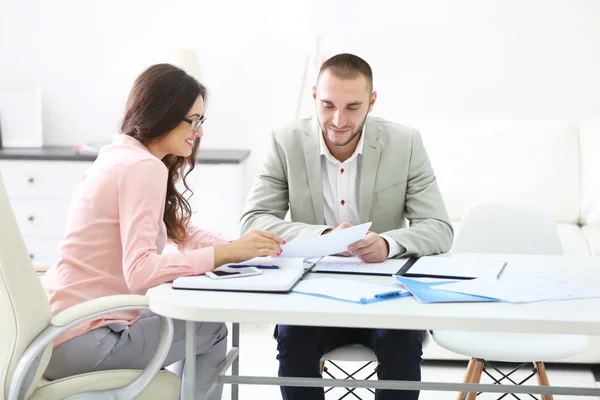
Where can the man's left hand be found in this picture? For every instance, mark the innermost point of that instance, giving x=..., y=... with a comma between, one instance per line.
x=372, y=249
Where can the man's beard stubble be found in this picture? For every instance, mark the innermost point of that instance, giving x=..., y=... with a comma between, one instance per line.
x=350, y=139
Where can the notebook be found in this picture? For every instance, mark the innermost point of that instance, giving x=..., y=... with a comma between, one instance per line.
x=348, y=290
x=280, y=280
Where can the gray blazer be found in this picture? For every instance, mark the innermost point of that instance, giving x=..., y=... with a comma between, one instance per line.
x=396, y=183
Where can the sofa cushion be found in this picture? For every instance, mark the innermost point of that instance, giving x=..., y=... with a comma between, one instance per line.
x=589, y=129
x=506, y=160
x=572, y=239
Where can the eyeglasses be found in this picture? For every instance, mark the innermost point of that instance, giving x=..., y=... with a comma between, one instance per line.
x=196, y=124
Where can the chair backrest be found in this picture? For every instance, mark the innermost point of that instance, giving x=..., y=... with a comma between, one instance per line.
x=24, y=307
x=507, y=228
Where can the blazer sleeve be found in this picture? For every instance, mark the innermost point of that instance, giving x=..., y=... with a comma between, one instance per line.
x=430, y=231
x=268, y=201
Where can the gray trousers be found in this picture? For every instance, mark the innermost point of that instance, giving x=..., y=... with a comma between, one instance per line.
x=131, y=347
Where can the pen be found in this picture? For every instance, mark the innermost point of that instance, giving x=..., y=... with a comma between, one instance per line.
x=256, y=266
x=500, y=272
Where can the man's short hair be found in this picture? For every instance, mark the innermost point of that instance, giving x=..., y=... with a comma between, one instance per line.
x=348, y=66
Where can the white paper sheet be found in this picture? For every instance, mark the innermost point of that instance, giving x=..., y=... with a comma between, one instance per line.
x=325, y=245
x=523, y=290
x=282, y=263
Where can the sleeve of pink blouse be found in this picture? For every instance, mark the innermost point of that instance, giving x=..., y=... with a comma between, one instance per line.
x=198, y=238
x=142, y=191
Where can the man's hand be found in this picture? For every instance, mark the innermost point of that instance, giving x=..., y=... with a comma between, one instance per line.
x=341, y=226
x=372, y=249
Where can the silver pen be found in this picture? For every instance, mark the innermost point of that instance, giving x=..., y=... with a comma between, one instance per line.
x=500, y=272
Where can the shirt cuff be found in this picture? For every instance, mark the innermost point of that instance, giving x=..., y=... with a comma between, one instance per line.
x=201, y=260
x=395, y=247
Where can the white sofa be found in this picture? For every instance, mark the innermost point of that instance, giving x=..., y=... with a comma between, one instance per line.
x=555, y=163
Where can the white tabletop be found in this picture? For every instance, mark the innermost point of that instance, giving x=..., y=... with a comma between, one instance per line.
x=569, y=316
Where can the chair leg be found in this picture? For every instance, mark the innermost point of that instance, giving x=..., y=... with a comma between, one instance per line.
x=542, y=378
x=321, y=367
x=473, y=375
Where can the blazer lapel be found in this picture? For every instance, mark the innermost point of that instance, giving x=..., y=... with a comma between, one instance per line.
x=312, y=159
x=370, y=163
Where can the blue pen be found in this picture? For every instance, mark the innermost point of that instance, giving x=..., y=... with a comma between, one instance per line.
x=388, y=295
x=256, y=266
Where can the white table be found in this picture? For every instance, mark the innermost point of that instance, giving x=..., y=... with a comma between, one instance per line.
x=573, y=316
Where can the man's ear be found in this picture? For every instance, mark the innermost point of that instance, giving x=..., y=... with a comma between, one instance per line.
x=372, y=101
x=314, y=92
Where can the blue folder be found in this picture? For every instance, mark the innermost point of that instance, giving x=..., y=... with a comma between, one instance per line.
x=322, y=287
x=424, y=292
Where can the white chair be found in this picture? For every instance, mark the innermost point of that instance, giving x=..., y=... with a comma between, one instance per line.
x=508, y=228
x=353, y=353
x=27, y=331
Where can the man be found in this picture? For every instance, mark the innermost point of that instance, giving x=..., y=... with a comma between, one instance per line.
x=340, y=169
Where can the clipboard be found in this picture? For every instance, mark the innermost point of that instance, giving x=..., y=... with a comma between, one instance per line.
x=443, y=267
x=353, y=266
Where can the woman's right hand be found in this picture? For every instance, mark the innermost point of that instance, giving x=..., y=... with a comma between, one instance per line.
x=256, y=243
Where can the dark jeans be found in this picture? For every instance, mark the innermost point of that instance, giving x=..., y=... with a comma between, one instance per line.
x=301, y=348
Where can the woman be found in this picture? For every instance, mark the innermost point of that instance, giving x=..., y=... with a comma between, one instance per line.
x=123, y=213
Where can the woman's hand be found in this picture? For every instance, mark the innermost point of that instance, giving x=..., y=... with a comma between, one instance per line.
x=255, y=243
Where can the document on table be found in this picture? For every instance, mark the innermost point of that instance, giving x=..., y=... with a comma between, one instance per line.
x=455, y=268
x=354, y=265
x=526, y=289
x=348, y=290
x=325, y=245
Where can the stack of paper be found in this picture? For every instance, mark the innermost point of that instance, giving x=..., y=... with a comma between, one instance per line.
x=526, y=289
x=354, y=265
x=325, y=245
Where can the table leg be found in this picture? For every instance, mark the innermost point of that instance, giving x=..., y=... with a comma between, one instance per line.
x=235, y=368
x=189, y=371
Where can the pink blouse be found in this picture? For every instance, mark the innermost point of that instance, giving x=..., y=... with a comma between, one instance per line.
x=115, y=236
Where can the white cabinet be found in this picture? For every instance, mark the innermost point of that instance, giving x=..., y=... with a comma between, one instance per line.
x=40, y=193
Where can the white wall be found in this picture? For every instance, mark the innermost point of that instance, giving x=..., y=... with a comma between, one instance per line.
x=432, y=59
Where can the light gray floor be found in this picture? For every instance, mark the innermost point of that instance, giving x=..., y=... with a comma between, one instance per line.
x=258, y=358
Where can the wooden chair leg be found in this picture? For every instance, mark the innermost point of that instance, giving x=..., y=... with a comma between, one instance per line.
x=473, y=375
x=542, y=378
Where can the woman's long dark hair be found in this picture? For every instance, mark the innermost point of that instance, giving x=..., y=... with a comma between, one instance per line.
x=161, y=96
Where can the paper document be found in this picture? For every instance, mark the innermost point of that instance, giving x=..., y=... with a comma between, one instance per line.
x=525, y=289
x=348, y=290
x=282, y=263
x=325, y=245
x=354, y=265
x=436, y=266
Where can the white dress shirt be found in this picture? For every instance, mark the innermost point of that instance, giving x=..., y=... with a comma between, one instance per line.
x=341, y=190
